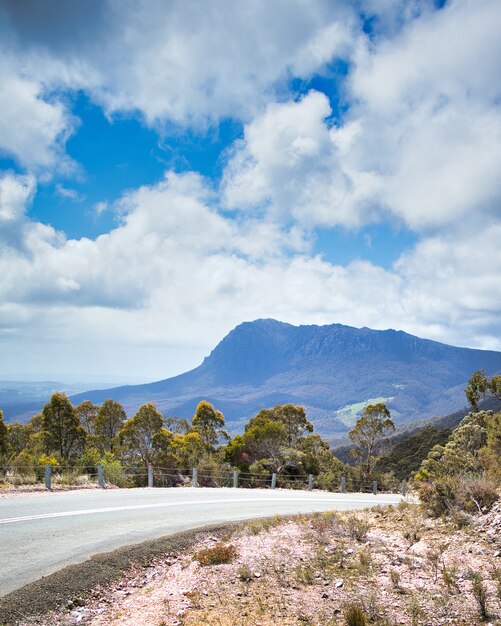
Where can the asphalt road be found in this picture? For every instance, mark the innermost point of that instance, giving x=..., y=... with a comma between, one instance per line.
x=41, y=534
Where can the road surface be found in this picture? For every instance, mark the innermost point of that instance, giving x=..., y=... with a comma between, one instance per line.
x=41, y=534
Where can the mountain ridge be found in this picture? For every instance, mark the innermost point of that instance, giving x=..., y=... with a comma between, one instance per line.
x=325, y=368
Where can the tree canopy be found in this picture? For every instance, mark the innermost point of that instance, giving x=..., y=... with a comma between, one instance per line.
x=374, y=425
x=61, y=427
x=209, y=423
x=479, y=386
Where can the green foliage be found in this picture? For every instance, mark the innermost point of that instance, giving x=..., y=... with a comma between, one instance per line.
x=461, y=455
x=61, y=428
x=144, y=437
x=406, y=456
x=479, y=386
x=374, y=425
x=113, y=471
x=208, y=423
x=87, y=413
x=479, y=591
x=4, y=441
x=108, y=422
x=218, y=555
x=490, y=454
x=90, y=459
x=188, y=449
x=355, y=615
x=450, y=495
x=278, y=440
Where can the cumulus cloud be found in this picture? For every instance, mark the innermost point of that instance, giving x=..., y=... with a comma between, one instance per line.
x=428, y=123
x=418, y=144
x=421, y=143
x=32, y=130
x=187, y=63
x=176, y=272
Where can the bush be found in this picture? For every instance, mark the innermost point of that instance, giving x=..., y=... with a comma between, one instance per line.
x=450, y=495
x=356, y=528
x=482, y=493
x=218, y=555
x=355, y=615
x=113, y=471
x=439, y=497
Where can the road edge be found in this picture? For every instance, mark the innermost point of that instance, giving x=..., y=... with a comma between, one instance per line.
x=74, y=582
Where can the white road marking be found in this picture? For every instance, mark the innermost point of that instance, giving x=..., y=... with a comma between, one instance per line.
x=133, y=507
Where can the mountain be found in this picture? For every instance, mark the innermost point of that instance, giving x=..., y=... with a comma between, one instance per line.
x=332, y=370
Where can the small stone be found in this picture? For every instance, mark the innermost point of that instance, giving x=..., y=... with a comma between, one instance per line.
x=257, y=574
x=339, y=583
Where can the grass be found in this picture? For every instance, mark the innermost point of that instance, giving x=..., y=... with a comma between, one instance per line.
x=355, y=615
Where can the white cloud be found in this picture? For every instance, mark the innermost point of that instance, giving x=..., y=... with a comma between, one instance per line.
x=193, y=62
x=33, y=128
x=68, y=193
x=288, y=165
x=176, y=273
x=428, y=120
x=420, y=144
x=15, y=193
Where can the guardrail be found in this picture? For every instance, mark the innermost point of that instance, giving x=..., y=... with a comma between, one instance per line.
x=50, y=477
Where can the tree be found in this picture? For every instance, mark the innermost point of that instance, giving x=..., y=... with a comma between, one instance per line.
x=61, y=428
x=87, y=413
x=108, y=422
x=4, y=440
x=294, y=419
x=144, y=435
x=374, y=425
x=188, y=449
x=479, y=386
x=209, y=422
x=274, y=438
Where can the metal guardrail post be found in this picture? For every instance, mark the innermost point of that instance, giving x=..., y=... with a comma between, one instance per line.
x=100, y=476
x=404, y=488
x=235, y=480
x=343, y=484
x=374, y=487
x=48, y=477
x=273, y=481
x=194, y=477
x=150, y=475
x=310, y=482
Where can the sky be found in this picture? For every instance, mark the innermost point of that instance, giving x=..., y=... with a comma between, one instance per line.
x=170, y=169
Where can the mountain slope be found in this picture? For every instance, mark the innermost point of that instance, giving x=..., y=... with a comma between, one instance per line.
x=326, y=368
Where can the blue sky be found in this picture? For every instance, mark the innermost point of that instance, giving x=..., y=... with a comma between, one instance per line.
x=168, y=170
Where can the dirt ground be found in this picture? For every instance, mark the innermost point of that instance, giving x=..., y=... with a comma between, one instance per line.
x=389, y=566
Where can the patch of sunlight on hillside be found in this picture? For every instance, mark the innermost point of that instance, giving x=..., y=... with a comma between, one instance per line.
x=348, y=414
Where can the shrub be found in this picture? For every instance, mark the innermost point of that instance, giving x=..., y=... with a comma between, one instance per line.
x=244, y=573
x=355, y=615
x=113, y=471
x=439, y=497
x=218, y=555
x=449, y=495
x=480, y=593
x=356, y=528
x=480, y=492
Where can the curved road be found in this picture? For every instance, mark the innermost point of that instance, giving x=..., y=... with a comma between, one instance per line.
x=41, y=534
